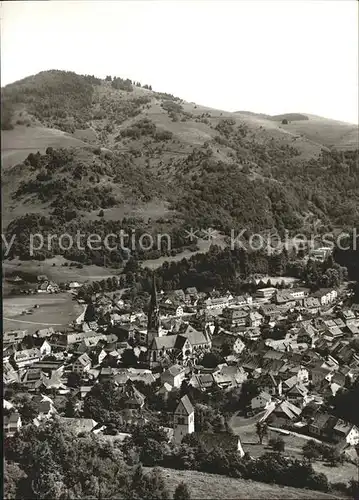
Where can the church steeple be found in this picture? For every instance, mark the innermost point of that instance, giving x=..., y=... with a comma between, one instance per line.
x=153, y=323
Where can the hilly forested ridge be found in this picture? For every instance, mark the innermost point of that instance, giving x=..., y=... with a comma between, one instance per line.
x=91, y=154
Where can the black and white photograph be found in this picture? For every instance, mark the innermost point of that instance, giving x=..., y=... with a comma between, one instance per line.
x=180, y=249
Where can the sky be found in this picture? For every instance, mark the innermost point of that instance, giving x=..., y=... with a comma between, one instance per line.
x=263, y=56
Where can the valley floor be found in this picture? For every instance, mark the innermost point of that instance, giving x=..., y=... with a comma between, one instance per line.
x=52, y=310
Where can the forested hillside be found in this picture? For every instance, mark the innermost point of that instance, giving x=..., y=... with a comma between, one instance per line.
x=196, y=167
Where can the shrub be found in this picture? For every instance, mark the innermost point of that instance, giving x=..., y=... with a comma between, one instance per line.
x=121, y=84
x=277, y=444
x=311, y=450
x=182, y=492
x=172, y=107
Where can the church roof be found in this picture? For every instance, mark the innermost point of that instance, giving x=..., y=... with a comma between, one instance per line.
x=185, y=401
x=166, y=342
x=194, y=336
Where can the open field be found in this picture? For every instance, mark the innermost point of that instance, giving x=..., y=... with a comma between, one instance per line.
x=203, y=485
x=53, y=268
x=324, y=131
x=58, y=272
x=18, y=143
x=54, y=310
x=246, y=429
x=341, y=474
x=203, y=246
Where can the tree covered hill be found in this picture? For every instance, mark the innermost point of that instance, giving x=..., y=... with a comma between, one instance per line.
x=88, y=144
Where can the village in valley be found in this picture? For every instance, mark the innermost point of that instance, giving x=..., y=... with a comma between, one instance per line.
x=249, y=374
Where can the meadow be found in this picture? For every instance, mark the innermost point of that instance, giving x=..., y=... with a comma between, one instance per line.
x=56, y=310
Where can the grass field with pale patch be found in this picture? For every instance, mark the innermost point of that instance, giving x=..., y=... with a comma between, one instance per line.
x=56, y=310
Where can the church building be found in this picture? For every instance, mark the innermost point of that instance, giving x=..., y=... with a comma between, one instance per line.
x=183, y=419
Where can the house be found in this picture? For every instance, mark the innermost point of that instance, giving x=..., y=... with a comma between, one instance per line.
x=261, y=401
x=14, y=336
x=297, y=394
x=45, y=332
x=7, y=405
x=202, y=381
x=318, y=374
x=270, y=311
x=311, y=305
x=133, y=398
x=48, y=287
x=299, y=293
x=191, y=291
x=217, y=303
x=45, y=408
x=306, y=332
x=12, y=423
x=225, y=338
x=254, y=319
x=322, y=425
x=229, y=376
x=141, y=375
x=226, y=441
x=78, y=425
x=284, y=297
x=171, y=310
x=10, y=375
x=333, y=333
x=183, y=419
x=67, y=340
x=281, y=414
x=302, y=373
x=174, y=376
x=53, y=383
x=26, y=357
x=321, y=254
x=345, y=431
x=242, y=300
x=107, y=373
x=44, y=346
x=235, y=343
x=347, y=315
x=352, y=328
x=31, y=378
x=271, y=384
x=82, y=364
x=266, y=293
x=235, y=316
x=164, y=391
x=339, y=322
x=326, y=296
x=251, y=363
x=192, y=296
x=342, y=352
x=97, y=355
x=73, y=285
x=50, y=366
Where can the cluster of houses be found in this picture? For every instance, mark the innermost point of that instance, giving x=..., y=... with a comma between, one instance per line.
x=168, y=344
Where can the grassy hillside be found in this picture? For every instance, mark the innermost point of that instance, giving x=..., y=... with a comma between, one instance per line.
x=77, y=144
x=313, y=129
x=208, y=486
